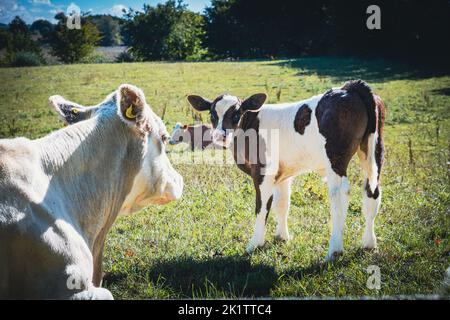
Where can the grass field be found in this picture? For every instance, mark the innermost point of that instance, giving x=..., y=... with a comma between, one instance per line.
x=195, y=247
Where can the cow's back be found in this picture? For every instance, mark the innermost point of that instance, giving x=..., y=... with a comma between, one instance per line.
x=26, y=255
x=300, y=147
x=19, y=167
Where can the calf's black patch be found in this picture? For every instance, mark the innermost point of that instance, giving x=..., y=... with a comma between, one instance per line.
x=369, y=192
x=343, y=120
x=268, y=206
x=302, y=118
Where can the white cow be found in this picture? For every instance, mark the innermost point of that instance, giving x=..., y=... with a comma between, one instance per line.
x=59, y=195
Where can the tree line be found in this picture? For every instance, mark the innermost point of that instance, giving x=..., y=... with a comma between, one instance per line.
x=246, y=29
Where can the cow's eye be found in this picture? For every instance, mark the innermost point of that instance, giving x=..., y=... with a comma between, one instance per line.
x=236, y=117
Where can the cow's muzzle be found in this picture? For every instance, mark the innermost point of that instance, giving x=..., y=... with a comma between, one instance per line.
x=173, y=189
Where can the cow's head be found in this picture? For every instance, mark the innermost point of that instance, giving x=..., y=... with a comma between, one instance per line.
x=155, y=181
x=179, y=134
x=226, y=112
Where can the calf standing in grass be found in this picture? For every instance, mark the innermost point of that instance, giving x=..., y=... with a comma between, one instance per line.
x=59, y=195
x=319, y=134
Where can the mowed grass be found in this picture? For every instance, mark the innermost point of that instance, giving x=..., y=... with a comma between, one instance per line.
x=195, y=247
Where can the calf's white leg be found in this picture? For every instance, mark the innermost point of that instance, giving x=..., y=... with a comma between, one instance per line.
x=281, y=203
x=371, y=197
x=264, y=194
x=338, y=189
x=370, y=210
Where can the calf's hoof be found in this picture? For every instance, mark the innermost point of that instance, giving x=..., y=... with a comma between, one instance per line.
x=282, y=238
x=93, y=293
x=332, y=256
x=369, y=242
x=252, y=247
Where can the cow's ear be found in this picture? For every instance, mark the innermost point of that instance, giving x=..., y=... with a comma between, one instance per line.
x=70, y=112
x=254, y=103
x=199, y=103
x=130, y=103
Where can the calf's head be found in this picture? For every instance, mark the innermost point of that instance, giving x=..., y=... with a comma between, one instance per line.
x=144, y=138
x=226, y=112
x=179, y=134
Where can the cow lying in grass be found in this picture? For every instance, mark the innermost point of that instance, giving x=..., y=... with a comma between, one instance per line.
x=198, y=137
x=59, y=195
x=319, y=134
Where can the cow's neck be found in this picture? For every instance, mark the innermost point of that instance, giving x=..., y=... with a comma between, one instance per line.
x=91, y=166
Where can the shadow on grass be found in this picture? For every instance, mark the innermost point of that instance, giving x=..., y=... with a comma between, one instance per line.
x=228, y=277
x=232, y=276
x=343, y=69
x=318, y=267
x=442, y=92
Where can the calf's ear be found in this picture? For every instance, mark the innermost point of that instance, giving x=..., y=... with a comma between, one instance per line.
x=70, y=112
x=199, y=103
x=254, y=103
x=177, y=126
x=130, y=103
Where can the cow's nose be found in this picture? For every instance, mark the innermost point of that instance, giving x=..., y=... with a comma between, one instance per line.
x=174, y=189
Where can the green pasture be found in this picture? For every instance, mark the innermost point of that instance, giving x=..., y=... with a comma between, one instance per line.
x=196, y=246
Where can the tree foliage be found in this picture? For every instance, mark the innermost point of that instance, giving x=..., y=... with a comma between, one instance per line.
x=165, y=32
x=109, y=28
x=264, y=28
x=21, y=50
x=71, y=45
x=19, y=38
x=44, y=29
x=410, y=30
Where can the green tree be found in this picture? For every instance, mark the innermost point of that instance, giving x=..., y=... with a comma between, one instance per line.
x=21, y=50
x=165, y=32
x=5, y=38
x=109, y=28
x=19, y=38
x=185, y=38
x=44, y=28
x=71, y=45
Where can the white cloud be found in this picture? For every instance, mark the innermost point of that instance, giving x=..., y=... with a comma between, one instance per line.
x=117, y=10
x=47, y=2
x=11, y=8
x=55, y=11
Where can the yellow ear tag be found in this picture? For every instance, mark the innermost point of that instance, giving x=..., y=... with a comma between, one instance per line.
x=129, y=113
x=75, y=111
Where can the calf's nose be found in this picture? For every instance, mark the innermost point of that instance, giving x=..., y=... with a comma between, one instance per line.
x=219, y=135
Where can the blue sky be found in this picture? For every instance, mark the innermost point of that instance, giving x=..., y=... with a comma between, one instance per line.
x=31, y=10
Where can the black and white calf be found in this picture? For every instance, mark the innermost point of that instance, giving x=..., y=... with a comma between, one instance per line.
x=319, y=134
